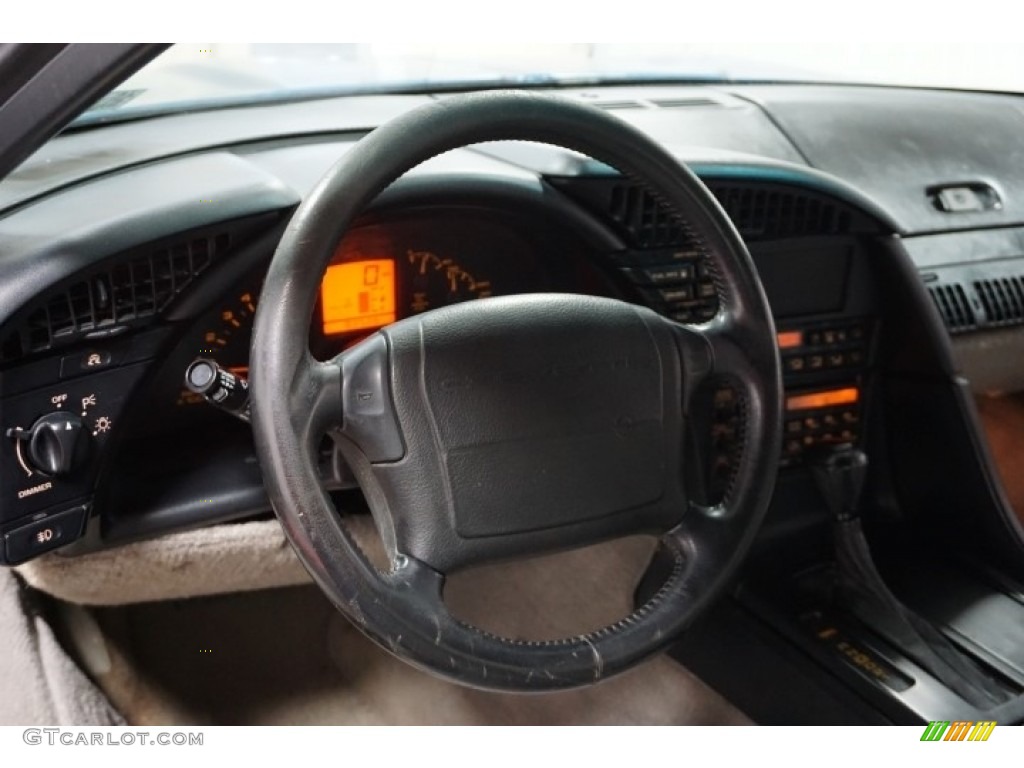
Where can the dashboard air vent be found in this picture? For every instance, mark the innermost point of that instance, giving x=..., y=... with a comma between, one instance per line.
x=1002, y=299
x=761, y=212
x=681, y=102
x=650, y=223
x=129, y=290
x=954, y=306
x=612, y=106
x=757, y=212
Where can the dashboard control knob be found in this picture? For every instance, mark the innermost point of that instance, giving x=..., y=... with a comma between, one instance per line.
x=57, y=444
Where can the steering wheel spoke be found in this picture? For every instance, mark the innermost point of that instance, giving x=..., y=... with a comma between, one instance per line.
x=314, y=397
x=367, y=408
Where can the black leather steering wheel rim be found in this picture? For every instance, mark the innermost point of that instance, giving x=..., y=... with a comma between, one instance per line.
x=295, y=400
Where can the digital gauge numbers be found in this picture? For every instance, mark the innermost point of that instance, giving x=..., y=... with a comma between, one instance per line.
x=358, y=296
x=366, y=294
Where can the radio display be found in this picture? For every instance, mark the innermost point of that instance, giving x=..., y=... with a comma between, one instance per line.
x=825, y=399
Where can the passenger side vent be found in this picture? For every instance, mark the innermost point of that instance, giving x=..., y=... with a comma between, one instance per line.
x=117, y=296
x=1002, y=299
x=954, y=306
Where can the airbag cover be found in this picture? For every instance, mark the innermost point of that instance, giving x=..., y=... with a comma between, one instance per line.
x=545, y=410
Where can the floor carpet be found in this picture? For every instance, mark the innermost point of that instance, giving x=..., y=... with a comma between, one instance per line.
x=285, y=656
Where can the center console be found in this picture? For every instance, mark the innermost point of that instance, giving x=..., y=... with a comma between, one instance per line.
x=789, y=645
x=787, y=649
x=824, y=368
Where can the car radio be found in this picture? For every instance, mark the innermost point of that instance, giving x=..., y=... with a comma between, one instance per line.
x=820, y=418
x=830, y=347
x=823, y=366
x=824, y=370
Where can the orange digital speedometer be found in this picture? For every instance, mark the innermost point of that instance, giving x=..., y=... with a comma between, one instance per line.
x=358, y=295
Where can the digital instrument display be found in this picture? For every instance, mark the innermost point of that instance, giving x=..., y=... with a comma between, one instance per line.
x=826, y=399
x=358, y=295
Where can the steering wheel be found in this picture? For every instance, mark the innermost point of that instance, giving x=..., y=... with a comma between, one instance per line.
x=511, y=426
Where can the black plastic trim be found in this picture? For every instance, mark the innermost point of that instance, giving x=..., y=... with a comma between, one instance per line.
x=122, y=211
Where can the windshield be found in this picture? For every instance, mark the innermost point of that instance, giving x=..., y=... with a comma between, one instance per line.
x=200, y=75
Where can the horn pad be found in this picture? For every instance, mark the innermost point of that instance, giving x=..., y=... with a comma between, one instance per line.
x=545, y=411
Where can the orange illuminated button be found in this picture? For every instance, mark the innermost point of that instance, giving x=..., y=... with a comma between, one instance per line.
x=790, y=339
x=826, y=399
x=358, y=295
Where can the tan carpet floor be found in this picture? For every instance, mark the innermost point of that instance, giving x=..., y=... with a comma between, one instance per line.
x=285, y=656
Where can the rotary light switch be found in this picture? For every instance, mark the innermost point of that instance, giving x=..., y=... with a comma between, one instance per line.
x=57, y=444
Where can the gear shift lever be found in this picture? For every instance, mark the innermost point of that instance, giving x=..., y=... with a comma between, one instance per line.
x=840, y=475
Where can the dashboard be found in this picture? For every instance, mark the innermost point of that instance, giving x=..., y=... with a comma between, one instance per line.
x=118, y=268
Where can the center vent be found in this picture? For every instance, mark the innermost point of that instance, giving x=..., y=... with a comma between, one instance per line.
x=649, y=222
x=772, y=213
x=760, y=211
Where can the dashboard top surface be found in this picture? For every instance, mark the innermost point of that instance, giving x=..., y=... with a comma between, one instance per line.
x=892, y=144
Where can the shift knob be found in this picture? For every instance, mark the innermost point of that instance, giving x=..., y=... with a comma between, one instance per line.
x=839, y=474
